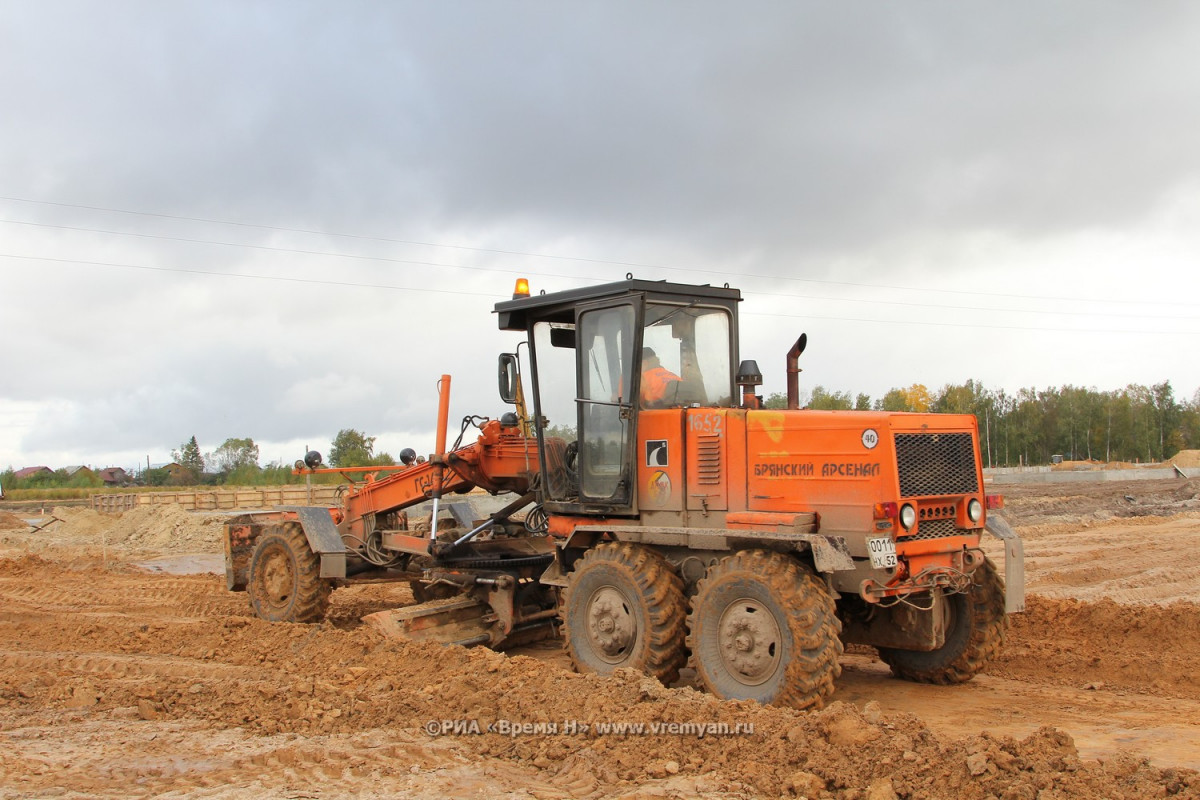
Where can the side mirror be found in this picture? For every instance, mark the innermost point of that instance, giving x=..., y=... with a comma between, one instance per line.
x=510, y=378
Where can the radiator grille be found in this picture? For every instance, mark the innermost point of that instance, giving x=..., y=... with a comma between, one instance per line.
x=936, y=464
x=934, y=529
x=708, y=459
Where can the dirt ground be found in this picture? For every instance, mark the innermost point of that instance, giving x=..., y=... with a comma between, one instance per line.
x=119, y=676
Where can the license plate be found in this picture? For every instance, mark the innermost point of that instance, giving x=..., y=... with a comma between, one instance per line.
x=882, y=551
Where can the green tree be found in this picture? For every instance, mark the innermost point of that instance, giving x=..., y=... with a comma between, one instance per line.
x=825, y=400
x=351, y=448
x=84, y=479
x=912, y=398
x=155, y=477
x=1167, y=415
x=1189, y=423
x=894, y=400
x=862, y=402
x=188, y=456
x=236, y=454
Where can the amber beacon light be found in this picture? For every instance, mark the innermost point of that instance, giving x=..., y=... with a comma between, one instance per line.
x=521, y=289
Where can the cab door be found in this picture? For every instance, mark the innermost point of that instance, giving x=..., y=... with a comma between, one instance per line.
x=608, y=337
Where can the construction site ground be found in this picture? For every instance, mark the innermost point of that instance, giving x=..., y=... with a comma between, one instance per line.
x=121, y=674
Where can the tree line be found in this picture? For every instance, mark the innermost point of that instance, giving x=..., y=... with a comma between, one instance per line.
x=1137, y=423
x=234, y=463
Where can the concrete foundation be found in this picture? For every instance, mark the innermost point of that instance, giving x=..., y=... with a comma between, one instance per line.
x=1046, y=475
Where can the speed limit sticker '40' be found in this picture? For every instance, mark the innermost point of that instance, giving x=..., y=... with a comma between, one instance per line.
x=882, y=551
x=870, y=438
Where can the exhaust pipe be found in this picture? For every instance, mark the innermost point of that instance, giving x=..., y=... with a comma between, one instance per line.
x=793, y=371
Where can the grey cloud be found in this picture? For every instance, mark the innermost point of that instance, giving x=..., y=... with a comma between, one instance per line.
x=769, y=138
x=802, y=125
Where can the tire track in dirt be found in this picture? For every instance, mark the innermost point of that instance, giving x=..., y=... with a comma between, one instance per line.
x=163, y=760
x=221, y=674
x=1147, y=560
x=181, y=692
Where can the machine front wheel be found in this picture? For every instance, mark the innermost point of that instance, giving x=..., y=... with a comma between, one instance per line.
x=764, y=628
x=285, y=582
x=624, y=607
x=974, y=635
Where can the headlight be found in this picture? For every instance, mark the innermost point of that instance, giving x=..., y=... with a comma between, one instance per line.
x=908, y=517
x=975, y=510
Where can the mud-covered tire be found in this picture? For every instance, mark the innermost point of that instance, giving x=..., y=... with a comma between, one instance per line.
x=624, y=607
x=285, y=583
x=974, y=635
x=764, y=628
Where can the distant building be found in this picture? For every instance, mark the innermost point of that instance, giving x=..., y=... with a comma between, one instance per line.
x=29, y=472
x=175, y=470
x=114, y=476
x=78, y=470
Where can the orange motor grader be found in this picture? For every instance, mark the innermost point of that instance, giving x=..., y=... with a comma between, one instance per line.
x=661, y=516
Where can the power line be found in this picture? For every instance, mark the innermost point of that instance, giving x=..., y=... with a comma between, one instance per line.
x=1055, y=312
x=297, y=251
x=359, y=237
x=248, y=275
x=585, y=260
x=526, y=272
x=492, y=295
x=974, y=325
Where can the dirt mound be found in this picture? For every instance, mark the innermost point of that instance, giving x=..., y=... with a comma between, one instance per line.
x=180, y=651
x=1035, y=504
x=1104, y=643
x=29, y=565
x=10, y=522
x=112, y=678
x=1186, y=458
x=161, y=528
x=319, y=681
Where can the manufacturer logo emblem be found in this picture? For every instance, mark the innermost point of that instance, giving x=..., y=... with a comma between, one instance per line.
x=659, y=487
x=657, y=454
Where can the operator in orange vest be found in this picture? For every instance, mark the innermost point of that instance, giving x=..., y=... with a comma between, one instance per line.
x=659, y=385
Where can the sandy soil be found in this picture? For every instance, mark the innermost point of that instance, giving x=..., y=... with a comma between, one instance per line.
x=118, y=678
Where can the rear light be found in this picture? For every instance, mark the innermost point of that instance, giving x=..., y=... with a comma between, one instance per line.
x=975, y=510
x=994, y=501
x=908, y=517
x=887, y=510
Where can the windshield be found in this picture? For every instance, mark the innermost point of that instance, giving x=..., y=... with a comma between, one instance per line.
x=686, y=357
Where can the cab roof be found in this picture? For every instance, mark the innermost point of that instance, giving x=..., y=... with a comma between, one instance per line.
x=514, y=315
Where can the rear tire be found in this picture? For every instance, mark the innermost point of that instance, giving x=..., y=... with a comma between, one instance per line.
x=285, y=583
x=764, y=628
x=974, y=635
x=624, y=607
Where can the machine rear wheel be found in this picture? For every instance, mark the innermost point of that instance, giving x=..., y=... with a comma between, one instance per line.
x=285, y=582
x=764, y=628
x=974, y=635
x=624, y=607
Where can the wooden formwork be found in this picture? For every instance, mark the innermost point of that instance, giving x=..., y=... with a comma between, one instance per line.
x=220, y=499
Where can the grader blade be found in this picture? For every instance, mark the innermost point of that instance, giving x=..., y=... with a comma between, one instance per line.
x=456, y=620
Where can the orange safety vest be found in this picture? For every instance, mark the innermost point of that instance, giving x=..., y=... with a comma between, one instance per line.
x=655, y=383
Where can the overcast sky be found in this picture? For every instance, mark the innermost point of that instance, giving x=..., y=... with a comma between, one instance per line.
x=279, y=219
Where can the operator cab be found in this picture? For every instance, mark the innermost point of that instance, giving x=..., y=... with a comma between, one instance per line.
x=600, y=355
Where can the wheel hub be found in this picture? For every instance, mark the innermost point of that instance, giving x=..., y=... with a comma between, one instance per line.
x=751, y=641
x=278, y=579
x=612, y=629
